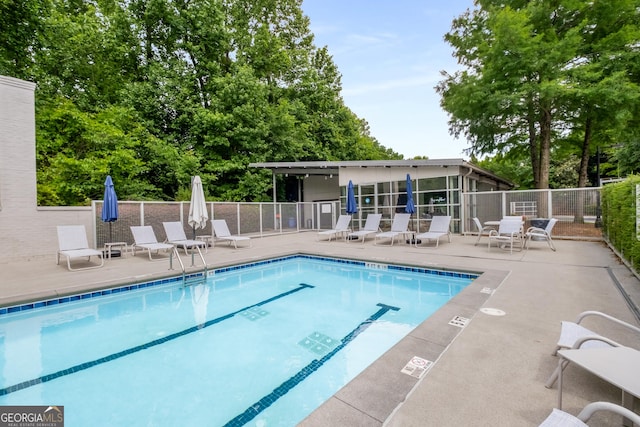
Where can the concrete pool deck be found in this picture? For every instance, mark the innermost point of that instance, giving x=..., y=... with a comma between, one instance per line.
x=490, y=372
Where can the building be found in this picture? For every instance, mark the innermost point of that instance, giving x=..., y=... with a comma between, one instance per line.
x=381, y=186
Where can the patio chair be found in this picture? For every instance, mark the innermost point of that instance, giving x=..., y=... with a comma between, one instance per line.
x=176, y=236
x=371, y=226
x=221, y=231
x=482, y=229
x=573, y=335
x=509, y=232
x=537, y=233
x=72, y=243
x=399, y=226
x=145, y=239
x=341, y=228
x=439, y=227
x=559, y=418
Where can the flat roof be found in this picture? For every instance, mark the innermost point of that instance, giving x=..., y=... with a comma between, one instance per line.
x=333, y=167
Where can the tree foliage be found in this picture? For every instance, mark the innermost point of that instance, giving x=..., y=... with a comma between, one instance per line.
x=544, y=78
x=155, y=91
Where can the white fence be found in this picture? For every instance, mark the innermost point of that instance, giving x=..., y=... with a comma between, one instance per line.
x=577, y=209
x=253, y=219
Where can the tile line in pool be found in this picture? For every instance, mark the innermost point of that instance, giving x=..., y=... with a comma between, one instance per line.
x=127, y=352
x=255, y=409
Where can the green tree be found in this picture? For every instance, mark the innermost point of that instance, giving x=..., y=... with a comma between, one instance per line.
x=536, y=78
x=153, y=92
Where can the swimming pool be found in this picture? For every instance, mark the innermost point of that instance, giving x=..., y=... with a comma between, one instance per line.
x=263, y=343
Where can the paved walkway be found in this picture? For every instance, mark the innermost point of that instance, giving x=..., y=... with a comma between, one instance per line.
x=491, y=372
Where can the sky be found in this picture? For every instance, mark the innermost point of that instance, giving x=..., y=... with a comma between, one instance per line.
x=390, y=54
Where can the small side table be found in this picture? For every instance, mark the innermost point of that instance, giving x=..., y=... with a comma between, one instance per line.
x=108, y=247
x=208, y=240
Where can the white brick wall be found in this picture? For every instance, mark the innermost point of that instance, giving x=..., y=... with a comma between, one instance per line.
x=25, y=230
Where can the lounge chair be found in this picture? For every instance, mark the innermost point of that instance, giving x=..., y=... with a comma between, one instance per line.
x=72, y=243
x=439, y=227
x=483, y=230
x=573, y=335
x=559, y=418
x=399, y=226
x=371, y=226
x=176, y=236
x=536, y=233
x=221, y=231
x=509, y=232
x=341, y=228
x=145, y=239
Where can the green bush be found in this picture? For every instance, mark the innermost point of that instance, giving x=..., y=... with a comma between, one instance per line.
x=619, y=219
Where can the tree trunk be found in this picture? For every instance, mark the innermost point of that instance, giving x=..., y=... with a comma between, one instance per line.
x=534, y=149
x=584, y=160
x=545, y=148
x=582, y=175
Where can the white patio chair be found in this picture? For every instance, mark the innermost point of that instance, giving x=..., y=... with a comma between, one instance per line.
x=509, y=232
x=341, y=228
x=536, y=233
x=371, y=226
x=573, y=335
x=482, y=230
x=72, y=243
x=438, y=228
x=221, y=231
x=559, y=418
x=176, y=236
x=399, y=226
x=145, y=239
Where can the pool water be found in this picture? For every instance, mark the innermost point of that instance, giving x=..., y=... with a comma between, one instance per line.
x=260, y=345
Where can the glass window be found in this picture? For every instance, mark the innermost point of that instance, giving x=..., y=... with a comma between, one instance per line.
x=426, y=184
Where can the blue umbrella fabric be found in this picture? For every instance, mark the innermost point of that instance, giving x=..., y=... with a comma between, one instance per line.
x=110, y=203
x=352, y=206
x=410, y=208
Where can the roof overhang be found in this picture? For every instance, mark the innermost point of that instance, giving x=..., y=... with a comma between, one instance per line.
x=329, y=168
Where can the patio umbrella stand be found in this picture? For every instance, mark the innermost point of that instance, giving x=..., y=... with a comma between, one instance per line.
x=352, y=205
x=410, y=208
x=110, y=213
x=198, y=215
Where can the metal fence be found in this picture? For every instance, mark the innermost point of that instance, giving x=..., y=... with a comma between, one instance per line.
x=252, y=219
x=577, y=209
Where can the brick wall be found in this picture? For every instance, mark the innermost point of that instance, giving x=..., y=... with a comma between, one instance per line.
x=26, y=230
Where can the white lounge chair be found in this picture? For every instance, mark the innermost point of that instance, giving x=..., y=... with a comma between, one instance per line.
x=371, y=226
x=559, y=418
x=221, y=231
x=341, y=228
x=72, y=243
x=399, y=226
x=509, y=232
x=483, y=230
x=439, y=227
x=145, y=239
x=536, y=233
x=176, y=236
x=573, y=335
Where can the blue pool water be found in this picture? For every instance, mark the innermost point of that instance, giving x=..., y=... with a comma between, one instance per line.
x=262, y=344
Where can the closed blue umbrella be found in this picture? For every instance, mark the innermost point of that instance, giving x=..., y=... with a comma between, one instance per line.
x=410, y=208
x=352, y=206
x=110, y=204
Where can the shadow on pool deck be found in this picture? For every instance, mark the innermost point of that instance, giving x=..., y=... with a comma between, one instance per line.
x=490, y=372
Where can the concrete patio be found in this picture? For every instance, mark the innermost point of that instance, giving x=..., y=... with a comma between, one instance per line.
x=489, y=373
